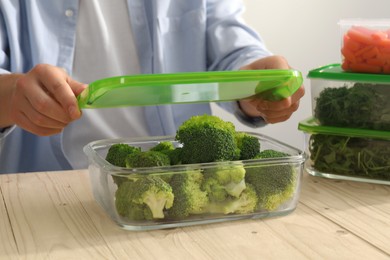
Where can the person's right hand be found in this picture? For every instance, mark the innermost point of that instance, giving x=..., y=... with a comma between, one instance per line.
x=43, y=101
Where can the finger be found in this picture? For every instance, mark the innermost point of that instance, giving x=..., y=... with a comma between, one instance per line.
x=39, y=119
x=77, y=87
x=271, y=114
x=298, y=94
x=56, y=82
x=270, y=62
x=277, y=119
x=24, y=122
x=29, y=89
x=265, y=105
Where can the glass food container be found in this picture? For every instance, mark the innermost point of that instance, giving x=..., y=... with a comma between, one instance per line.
x=277, y=192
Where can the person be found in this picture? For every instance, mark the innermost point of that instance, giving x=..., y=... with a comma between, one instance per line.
x=50, y=50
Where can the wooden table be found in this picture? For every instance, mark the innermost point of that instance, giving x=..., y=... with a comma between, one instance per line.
x=52, y=215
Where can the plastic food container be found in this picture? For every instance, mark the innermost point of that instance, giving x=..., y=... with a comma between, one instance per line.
x=365, y=45
x=280, y=195
x=346, y=99
x=347, y=153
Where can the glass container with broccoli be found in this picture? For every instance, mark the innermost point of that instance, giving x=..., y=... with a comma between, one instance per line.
x=208, y=172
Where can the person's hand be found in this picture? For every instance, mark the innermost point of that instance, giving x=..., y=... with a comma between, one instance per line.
x=271, y=111
x=43, y=101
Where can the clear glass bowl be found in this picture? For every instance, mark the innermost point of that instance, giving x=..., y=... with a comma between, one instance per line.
x=104, y=177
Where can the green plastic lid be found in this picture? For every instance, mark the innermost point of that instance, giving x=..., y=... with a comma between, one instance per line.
x=193, y=87
x=335, y=72
x=310, y=125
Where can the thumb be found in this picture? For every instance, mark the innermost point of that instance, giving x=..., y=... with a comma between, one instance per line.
x=77, y=86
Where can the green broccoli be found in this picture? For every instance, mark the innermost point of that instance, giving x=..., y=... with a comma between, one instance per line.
x=270, y=153
x=245, y=203
x=175, y=156
x=189, y=198
x=163, y=147
x=147, y=159
x=117, y=153
x=363, y=105
x=207, y=138
x=274, y=184
x=248, y=145
x=148, y=194
x=221, y=182
x=170, y=150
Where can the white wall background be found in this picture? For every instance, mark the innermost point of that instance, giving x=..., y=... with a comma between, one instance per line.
x=306, y=32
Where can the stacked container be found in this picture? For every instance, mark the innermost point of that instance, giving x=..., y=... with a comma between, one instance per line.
x=348, y=135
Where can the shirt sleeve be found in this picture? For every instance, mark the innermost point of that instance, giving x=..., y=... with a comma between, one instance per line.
x=234, y=108
x=231, y=43
x=5, y=131
x=4, y=57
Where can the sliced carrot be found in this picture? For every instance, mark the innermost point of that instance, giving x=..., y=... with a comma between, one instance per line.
x=363, y=50
x=351, y=44
x=376, y=62
x=371, y=53
x=385, y=56
x=345, y=65
x=379, y=36
x=365, y=68
x=359, y=36
x=386, y=69
x=384, y=43
x=366, y=50
x=348, y=54
x=384, y=49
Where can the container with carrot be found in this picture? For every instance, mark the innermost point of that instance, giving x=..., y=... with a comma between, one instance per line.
x=365, y=46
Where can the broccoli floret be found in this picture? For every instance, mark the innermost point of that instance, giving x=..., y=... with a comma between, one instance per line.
x=245, y=203
x=274, y=184
x=221, y=182
x=175, y=156
x=117, y=153
x=147, y=159
x=270, y=153
x=149, y=194
x=170, y=150
x=248, y=145
x=207, y=138
x=164, y=147
x=189, y=198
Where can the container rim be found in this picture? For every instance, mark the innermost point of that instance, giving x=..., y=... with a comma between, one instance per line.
x=310, y=125
x=90, y=150
x=335, y=72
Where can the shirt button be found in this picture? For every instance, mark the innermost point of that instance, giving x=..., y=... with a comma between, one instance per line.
x=69, y=13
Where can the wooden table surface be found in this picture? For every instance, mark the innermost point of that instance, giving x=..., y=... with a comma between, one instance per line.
x=53, y=215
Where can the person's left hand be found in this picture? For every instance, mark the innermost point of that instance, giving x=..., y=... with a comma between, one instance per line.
x=271, y=111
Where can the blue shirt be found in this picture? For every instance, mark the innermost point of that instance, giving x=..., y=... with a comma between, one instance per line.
x=170, y=36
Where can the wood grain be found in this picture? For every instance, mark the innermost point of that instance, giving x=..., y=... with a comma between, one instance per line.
x=361, y=208
x=54, y=216
x=8, y=249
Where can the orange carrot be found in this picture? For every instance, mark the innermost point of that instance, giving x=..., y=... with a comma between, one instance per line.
x=351, y=44
x=359, y=36
x=348, y=54
x=366, y=50
x=376, y=62
x=386, y=69
x=371, y=53
x=365, y=68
